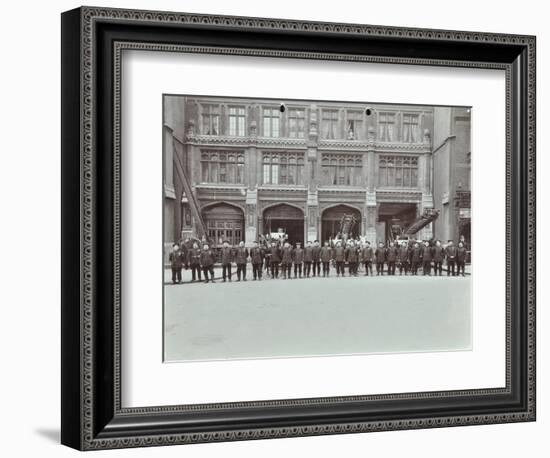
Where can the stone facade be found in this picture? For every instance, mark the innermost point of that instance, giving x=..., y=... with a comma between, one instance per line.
x=452, y=173
x=259, y=165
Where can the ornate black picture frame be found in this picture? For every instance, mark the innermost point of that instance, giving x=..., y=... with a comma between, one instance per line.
x=92, y=42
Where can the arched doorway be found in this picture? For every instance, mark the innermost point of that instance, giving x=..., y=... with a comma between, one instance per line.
x=224, y=222
x=331, y=221
x=285, y=218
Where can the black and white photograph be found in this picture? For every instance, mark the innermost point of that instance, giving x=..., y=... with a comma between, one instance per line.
x=300, y=228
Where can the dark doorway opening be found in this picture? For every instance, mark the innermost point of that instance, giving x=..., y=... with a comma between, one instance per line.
x=331, y=222
x=223, y=223
x=287, y=219
x=394, y=218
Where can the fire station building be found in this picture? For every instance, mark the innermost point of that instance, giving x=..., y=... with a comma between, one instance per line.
x=235, y=168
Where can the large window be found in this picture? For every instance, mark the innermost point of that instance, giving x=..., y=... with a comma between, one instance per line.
x=283, y=168
x=386, y=127
x=210, y=120
x=237, y=121
x=342, y=169
x=410, y=128
x=296, y=122
x=271, y=121
x=222, y=167
x=354, y=125
x=398, y=171
x=329, y=124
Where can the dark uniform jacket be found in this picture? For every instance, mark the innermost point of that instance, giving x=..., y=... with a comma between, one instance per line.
x=351, y=254
x=380, y=254
x=367, y=253
x=416, y=254
x=207, y=258
x=298, y=255
x=316, y=253
x=427, y=253
x=287, y=255
x=451, y=253
x=257, y=255
x=241, y=255
x=326, y=254
x=392, y=254
x=275, y=254
x=308, y=254
x=461, y=254
x=176, y=259
x=226, y=255
x=194, y=256
x=403, y=254
x=438, y=253
x=339, y=254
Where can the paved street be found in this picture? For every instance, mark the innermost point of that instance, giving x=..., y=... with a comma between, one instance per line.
x=316, y=316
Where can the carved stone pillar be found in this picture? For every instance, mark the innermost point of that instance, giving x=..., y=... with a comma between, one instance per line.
x=251, y=217
x=369, y=219
x=312, y=218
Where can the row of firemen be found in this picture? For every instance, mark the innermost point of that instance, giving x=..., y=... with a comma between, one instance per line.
x=280, y=259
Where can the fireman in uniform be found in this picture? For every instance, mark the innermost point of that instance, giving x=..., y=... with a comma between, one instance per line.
x=451, y=253
x=207, y=263
x=391, y=255
x=326, y=256
x=461, y=259
x=380, y=256
x=416, y=258
x=339, y=258
x=403, y=256
x=427, y=258
x=308, y=259
x=226, y=256
x=298, y=258
x=316, y=256
x=286, y=261
x=194, y=256
x=275, y=255
x=257, y=258
x=176, y=263
x=241, y=256
x=438, y=256
x=352, y=258
x=366, y=255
